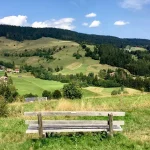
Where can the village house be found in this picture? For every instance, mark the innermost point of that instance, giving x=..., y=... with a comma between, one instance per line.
x=16, y=71
x=9, y=70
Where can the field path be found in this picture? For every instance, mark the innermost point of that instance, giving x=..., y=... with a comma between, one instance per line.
x=33, y=83
x=97, y=90
x=74, y=66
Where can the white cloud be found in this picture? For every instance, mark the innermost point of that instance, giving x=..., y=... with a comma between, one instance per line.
x=95, y=23
x=121, y=23
x=90, y=15
x=85, y=24
x=134, y=4
x=14, y=20
x=64, y=23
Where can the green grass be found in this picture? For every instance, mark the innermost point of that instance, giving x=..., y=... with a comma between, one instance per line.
x=28, y=84
x=25, y=84
x=10, y=45
x=62, y=58
x=106, y=92
x=138, y=49
x=87, y=93
x=1, y=73
x=135, y=48
x=135, y=135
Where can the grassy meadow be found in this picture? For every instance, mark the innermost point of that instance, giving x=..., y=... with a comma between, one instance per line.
x=1, y=73
x=25, y=84
x=64, y=58
x=28, y=84
x=15, y=46
x=135, y=135
x=138, y=49
x=136, y=131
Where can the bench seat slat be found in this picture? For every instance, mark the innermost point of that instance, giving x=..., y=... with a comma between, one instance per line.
x=74, y=113
x=74, y=122
x=75, y=129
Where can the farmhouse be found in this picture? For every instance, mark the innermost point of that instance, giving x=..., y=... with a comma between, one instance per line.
x=16, y=71
x=9, y=70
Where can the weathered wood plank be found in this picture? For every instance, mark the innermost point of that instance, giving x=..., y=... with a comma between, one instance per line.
x=74, y=127
x=110, y=123
x=71, y=130
x=74, y=113
x=67, y=126
x=40, y=125
x=74, y=122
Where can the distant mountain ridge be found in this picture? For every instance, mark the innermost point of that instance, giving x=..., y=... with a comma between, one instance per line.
x=28, y=33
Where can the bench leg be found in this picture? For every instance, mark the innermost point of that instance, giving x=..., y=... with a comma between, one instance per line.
x=110, y=123
x=40, y=125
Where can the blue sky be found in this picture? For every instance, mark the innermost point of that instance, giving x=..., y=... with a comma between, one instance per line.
x=121, y=18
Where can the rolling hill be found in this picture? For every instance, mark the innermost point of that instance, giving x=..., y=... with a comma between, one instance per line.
x=63, y=58
x=29, y=33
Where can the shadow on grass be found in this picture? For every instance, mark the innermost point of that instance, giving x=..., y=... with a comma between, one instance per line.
x=71, y=139
x=88, y=141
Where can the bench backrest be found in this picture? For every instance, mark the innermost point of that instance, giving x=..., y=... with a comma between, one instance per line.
x=74, y=113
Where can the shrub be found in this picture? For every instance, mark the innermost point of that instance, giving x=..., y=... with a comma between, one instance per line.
x=125, y=92
x=114, y=92
x=122, y=88
x=9, y=92
x=77, y=55
x=47, y=94
x=71, y=91
x=3, y=107
x=30, y=95
x=57, y=94
x=119, y=91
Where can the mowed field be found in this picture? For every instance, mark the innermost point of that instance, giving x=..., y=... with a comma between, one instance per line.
x=25, y=84
x=28, y=84
x=135, y=135
x=1, y=73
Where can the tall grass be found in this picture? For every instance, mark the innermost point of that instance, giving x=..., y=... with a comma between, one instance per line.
x=135, y=135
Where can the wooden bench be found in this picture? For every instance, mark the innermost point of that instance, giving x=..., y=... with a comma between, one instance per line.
x=49, y=126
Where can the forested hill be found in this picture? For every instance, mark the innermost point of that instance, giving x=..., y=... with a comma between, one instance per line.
x=29, y=33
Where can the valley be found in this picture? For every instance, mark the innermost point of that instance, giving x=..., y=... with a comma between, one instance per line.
x=106, y=75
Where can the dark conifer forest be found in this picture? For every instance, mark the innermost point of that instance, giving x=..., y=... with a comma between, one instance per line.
x=28, y=33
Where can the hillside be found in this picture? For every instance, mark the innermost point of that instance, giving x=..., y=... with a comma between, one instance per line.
x=29, y=33
x=63, y=58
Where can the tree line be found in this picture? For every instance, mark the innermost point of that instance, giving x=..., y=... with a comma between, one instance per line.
x=28, y=33
x=7, y=64
x=46, y=53
x=109, y=78
x=114, y=56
